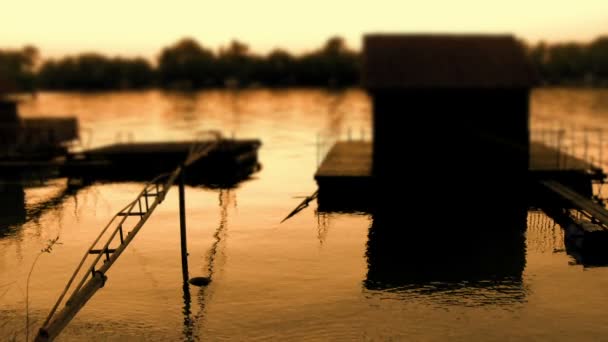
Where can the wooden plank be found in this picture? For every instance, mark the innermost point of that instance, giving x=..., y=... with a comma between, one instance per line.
x=167, y=147
x=595, y=210
x=147, y=147
x=590, y=227
x=347, y=159
x=354, y=159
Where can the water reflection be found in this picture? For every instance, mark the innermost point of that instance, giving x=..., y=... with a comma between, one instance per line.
x=600, y=101
x=477, y=263
x=14, y=211
x=227, y=198
x=335, y=113
x=182, y=110
x=585, y=248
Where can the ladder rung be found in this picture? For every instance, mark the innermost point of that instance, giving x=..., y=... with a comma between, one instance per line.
x=99, y=251
x=137, y=213
x=150, y=194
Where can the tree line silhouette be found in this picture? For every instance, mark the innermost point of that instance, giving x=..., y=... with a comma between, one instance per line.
x=572, y=63
x=189, y=65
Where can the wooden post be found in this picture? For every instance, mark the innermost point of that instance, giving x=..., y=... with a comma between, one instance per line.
x=182, y=225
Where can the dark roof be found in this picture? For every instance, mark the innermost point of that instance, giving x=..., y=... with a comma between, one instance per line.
x=445, y=61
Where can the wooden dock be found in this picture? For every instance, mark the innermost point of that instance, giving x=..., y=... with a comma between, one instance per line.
x=346, y=172
x=586, y=235
x=577, y=201
x=228, y=162
x=347, y=159
x=345, y=175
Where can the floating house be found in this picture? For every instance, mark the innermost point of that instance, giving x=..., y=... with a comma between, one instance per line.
x=455, y=103
x=450, y=121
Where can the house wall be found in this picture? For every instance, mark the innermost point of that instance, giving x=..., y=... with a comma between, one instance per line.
x=457, y=143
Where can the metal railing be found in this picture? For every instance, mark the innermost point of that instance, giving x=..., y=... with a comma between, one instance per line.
x=586, y=144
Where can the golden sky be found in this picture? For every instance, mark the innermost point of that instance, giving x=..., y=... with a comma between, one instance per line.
x=136, y=27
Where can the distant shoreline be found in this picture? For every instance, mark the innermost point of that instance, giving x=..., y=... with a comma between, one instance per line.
x=187, y=66
x=278, y=89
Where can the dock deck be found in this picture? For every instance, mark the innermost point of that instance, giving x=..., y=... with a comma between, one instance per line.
x=345, y=176
x=347, y=159
x=229, y=161
x=348, y=168
x=354, y=159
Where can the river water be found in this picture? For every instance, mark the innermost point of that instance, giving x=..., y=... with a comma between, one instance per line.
x=305, y=279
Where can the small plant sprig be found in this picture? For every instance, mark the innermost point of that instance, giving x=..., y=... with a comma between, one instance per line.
x=48, y=249
x=51, y=243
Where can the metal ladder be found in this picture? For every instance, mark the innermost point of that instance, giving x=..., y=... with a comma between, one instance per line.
x=106, y=254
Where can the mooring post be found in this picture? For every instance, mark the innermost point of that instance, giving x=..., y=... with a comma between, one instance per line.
x=182, y=224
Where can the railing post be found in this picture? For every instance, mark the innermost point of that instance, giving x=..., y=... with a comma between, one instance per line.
x=586, y=145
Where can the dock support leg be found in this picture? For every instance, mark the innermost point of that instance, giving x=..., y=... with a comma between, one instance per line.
x=182, y=226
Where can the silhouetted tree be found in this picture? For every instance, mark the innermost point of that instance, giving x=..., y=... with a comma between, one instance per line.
x=235, y=64
x=333, y=65
x=277, y=69
x=598, y=57
x=94, y=71
x=572, y=63
x=187, y=64
x=17, y=69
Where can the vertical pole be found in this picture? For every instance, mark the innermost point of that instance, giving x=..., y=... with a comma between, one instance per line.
x=182, y=225
x=600, y=154
x=318, y=149
x=184, y=249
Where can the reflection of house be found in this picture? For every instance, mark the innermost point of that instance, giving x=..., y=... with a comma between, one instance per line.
x=451, y=147
x=492, y=261
x=39, y=137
